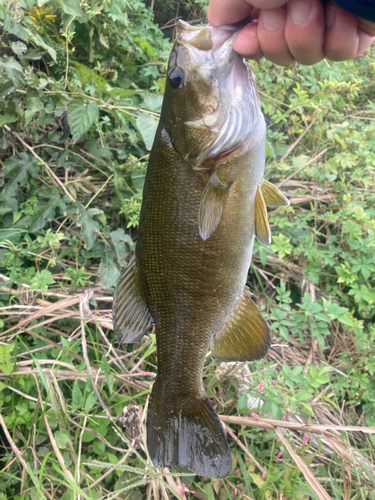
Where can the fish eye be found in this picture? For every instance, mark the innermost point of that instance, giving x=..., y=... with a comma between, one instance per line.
x=176, y=77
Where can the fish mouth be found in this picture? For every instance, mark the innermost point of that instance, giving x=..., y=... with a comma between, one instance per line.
x=207, y=37
x=241, y=118
x=238, y=107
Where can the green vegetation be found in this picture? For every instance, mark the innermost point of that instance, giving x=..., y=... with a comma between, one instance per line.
x=81, y=88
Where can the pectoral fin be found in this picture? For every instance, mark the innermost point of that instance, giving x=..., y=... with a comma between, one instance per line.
x=262, y=228
x=273, y=197
x=213, y=199
x=131, y=317
x=246, y=335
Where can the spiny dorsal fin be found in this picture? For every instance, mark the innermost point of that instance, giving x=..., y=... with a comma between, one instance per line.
x=131, y=317
x=273, y=197
x=262, y=228
x=245, y=337
x=213, y=199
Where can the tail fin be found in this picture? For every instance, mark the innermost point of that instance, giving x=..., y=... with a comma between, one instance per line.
x=190, y=435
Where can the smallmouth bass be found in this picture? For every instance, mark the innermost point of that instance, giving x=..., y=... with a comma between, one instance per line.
x=204, y=201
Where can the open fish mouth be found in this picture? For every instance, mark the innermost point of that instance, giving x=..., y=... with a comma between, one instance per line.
x=238, y=104
x=207, y=37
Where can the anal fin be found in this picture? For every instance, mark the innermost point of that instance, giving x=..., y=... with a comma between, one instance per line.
x=261, y=226
x=213, y=199
x=131, y=317
x=273, y=197
x=245, y=337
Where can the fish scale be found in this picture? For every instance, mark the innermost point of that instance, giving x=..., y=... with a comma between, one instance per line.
x=202, y=207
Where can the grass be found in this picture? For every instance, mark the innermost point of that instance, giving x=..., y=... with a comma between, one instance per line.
x=52, y=460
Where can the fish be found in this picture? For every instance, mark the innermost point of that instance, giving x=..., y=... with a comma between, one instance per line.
x=204, y=202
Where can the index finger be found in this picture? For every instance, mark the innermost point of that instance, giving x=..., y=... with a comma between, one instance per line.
x=222, y=12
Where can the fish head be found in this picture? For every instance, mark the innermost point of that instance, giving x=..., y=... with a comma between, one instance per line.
x=210, y=102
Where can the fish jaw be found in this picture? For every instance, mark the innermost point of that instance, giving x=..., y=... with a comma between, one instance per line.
x=216, y=105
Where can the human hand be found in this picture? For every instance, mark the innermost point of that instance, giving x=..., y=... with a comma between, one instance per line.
x=305, y=31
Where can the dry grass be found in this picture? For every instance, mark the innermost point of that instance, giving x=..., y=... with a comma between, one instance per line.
x=329, y=435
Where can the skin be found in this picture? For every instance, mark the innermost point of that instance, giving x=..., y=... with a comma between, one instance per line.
x=305, y=31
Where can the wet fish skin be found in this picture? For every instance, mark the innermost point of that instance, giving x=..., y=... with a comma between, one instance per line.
x=203, y=203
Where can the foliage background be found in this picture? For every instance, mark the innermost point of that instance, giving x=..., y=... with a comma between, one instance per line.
x=81, y=88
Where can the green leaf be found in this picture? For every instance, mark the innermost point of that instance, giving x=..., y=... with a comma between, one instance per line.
x=33, y=105
x=8, y=112
x=303, y=396
x=242, y=402
x=90, y=401
x=18, y=48
x=263, y=256
x=346, y=320
x=119, y=238
x=6, y=365
x=72, y=7
x=99, y=447
x=61, y=438
x=86, y=75
x=18, y=170
x=38, y=40
x=77, y=397
x=12, y=69
x=117, y=92
x=89, y=226
x=87, y=437
x=15, y=28
x=47, y=209
x=147, y=126
x=144, y=44
x=41, y=281
x=269, y=150
x=81, y=115
x=109, y=271
x=110, y=381
x=153, y=101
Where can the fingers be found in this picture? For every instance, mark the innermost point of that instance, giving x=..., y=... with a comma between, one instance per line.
x=222, y=12
x=293, y=32
x=246, y=42
x=346, y=36
x=228, y=12
x=304, y=30
x=271, y=36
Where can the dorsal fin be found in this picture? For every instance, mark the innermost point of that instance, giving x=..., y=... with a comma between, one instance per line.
x=273, y=197
x=261, y=226
x=245, y=337
x=213, y=199
x=131, y=317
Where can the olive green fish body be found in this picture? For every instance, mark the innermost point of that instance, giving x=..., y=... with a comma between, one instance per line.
x=191, y=285
x=203, y=203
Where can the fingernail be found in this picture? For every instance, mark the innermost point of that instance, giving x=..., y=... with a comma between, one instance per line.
x=273, y=19
x=331, y=13
x=299, y=11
